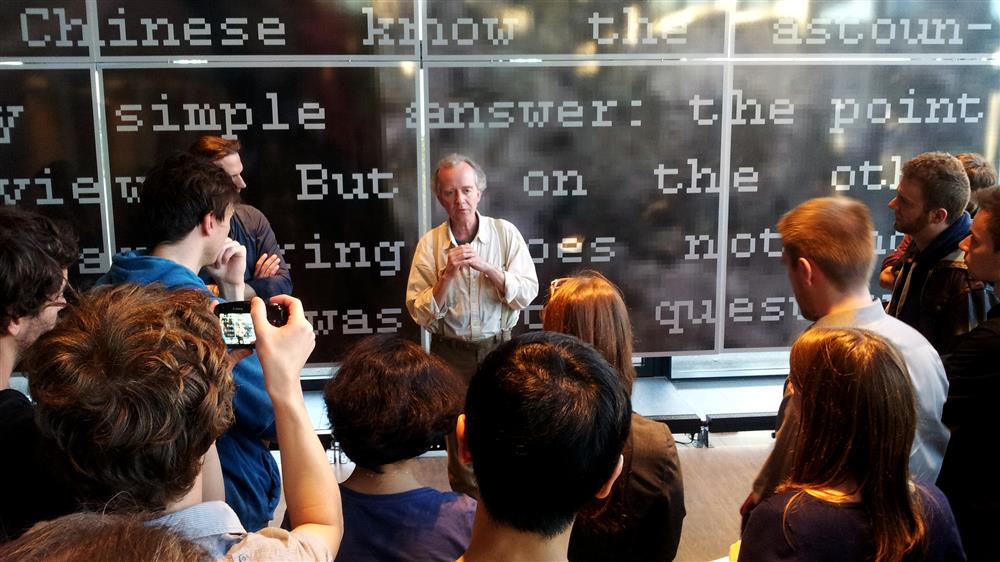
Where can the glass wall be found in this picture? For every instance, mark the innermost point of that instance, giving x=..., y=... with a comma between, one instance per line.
x=655, y=141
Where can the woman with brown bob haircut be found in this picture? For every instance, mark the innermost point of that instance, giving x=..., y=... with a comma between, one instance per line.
x=642, y=516
x=848, y=495
x=389, y=403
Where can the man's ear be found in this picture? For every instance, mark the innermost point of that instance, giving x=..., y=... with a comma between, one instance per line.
x=13, y=327
x=938, y=216
x=207, y=223
x=463, y=449
x=606, y=488
x=805, y=271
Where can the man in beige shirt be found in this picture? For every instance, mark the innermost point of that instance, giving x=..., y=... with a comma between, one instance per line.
x=471, y=276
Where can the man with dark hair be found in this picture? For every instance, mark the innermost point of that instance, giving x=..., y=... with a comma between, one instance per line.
x=546, y=418
x=470, y=278
x=933, y=291
x=134, y=386
x=390, y=402
x=267, y=274
x=187, y=204
x=967, y=478
x=981, y=175
x=35, y=255
x=830, y=282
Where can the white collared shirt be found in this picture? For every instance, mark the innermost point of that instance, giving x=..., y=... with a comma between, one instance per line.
x=472, y=307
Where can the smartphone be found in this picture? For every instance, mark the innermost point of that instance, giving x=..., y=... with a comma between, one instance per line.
x=237, y=325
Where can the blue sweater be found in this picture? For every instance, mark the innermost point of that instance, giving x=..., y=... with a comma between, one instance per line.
x=253, y=483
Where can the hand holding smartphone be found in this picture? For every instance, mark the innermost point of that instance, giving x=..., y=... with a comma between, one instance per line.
x=237, y=325
x=283, y=351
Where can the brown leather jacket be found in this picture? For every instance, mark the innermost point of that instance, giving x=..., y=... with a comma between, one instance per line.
x=951, y=302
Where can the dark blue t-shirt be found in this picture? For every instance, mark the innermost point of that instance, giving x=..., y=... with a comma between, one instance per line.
x=419, y=525
x=815, y=530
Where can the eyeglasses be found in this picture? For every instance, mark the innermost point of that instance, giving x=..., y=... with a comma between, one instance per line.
x=64, y=298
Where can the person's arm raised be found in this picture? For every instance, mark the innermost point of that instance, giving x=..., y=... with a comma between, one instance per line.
x=311, y=490
x=227, y=270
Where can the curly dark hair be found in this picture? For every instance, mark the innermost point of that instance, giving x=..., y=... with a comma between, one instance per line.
x=391, y=401
x=34, y=251
x=132, y=388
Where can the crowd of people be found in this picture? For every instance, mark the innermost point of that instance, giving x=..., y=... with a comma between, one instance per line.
x=145, y=437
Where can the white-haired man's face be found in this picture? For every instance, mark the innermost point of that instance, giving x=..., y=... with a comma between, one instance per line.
x=458, y=192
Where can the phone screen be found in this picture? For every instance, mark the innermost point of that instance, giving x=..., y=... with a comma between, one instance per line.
x=237, y=329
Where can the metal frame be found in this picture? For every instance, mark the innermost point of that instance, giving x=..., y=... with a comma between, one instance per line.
x=727, y=60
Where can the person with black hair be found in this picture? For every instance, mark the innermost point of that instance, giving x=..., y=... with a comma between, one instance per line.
x=546, y=419
x=35, y=255
x=388, y=403
x=974, y=376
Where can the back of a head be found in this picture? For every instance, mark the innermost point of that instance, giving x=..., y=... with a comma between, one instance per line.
x=857, y=422
x=212, y=147
x=858, y=413
x=942, y=181
x=981, y=173
x=34, y=251
x=89, y=537
x=391, y=401
x=132, y=388
x=807, y=231
x=546, y=421
x=178, y=192
x=591, y=307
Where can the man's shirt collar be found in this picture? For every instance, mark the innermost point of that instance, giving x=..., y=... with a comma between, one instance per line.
x=484, y=235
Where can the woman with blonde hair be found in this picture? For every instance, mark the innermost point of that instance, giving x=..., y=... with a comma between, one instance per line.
x=848, y=495
x=642, y=516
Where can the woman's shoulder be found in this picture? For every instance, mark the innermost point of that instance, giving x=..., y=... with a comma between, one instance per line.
x=796, y=526
x=812, y=519
x=651, y=453
x=943, y=539
x=651, y=438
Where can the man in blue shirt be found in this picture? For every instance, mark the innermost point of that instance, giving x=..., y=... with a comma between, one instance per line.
x=267, y=274
x=187, y=205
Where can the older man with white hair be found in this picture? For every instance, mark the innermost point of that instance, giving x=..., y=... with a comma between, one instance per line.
x=471, y=276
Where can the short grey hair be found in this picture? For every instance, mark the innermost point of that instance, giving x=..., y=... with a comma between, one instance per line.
x=453, y=160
